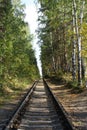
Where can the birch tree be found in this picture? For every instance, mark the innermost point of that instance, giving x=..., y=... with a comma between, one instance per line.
x=64, y=23
x=78, y=34
x=73, y=46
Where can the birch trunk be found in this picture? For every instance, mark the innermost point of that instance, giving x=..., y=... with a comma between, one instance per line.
x=74, y=47
x=81, y=21
x=78, y=44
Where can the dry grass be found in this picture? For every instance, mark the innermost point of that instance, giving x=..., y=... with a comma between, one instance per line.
x=10, y=92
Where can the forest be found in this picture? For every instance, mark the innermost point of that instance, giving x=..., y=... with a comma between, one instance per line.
x=62, y=34
x=17, y=58
x=54, y=96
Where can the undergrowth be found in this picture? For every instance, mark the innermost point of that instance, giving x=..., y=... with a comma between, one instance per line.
x=74, y=86
x=12, y=88
x=66, y=78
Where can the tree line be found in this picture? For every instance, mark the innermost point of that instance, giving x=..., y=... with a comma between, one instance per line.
x=17, y=58
x=62, y=36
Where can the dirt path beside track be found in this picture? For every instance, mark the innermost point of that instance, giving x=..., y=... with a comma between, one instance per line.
x=74, y=104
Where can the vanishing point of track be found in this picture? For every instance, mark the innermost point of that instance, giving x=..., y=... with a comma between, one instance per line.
x=39, y=110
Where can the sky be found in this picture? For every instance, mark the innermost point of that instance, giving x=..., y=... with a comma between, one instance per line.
x=31, y=18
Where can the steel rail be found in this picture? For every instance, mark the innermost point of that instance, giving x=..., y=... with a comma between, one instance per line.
x=61, y=111
x=34, y=94
x=19, y=108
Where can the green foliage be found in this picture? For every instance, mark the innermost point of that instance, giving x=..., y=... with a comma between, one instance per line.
x=57, y=37
x=60, y=74
x=53, y=35
x=74, y=87
x=17, y=58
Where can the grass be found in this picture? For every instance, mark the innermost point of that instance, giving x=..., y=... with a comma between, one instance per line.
x=73, y=84
x=12, y=89
x=66, y=78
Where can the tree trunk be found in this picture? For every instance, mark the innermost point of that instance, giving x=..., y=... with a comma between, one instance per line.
x=78, y=44
x=81, y=21
x=53, y=59
x=74, y=48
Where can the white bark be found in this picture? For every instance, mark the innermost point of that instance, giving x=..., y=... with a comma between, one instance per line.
x=74, y=47
x=78, y=44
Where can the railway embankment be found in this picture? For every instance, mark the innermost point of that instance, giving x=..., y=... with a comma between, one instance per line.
x=74, y=103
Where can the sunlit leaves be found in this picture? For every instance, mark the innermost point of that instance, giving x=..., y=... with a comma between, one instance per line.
x=17, y=57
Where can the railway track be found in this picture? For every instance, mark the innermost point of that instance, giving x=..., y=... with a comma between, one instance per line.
x=39, y=111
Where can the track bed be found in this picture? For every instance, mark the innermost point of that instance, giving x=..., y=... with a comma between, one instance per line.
x=39, y=111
